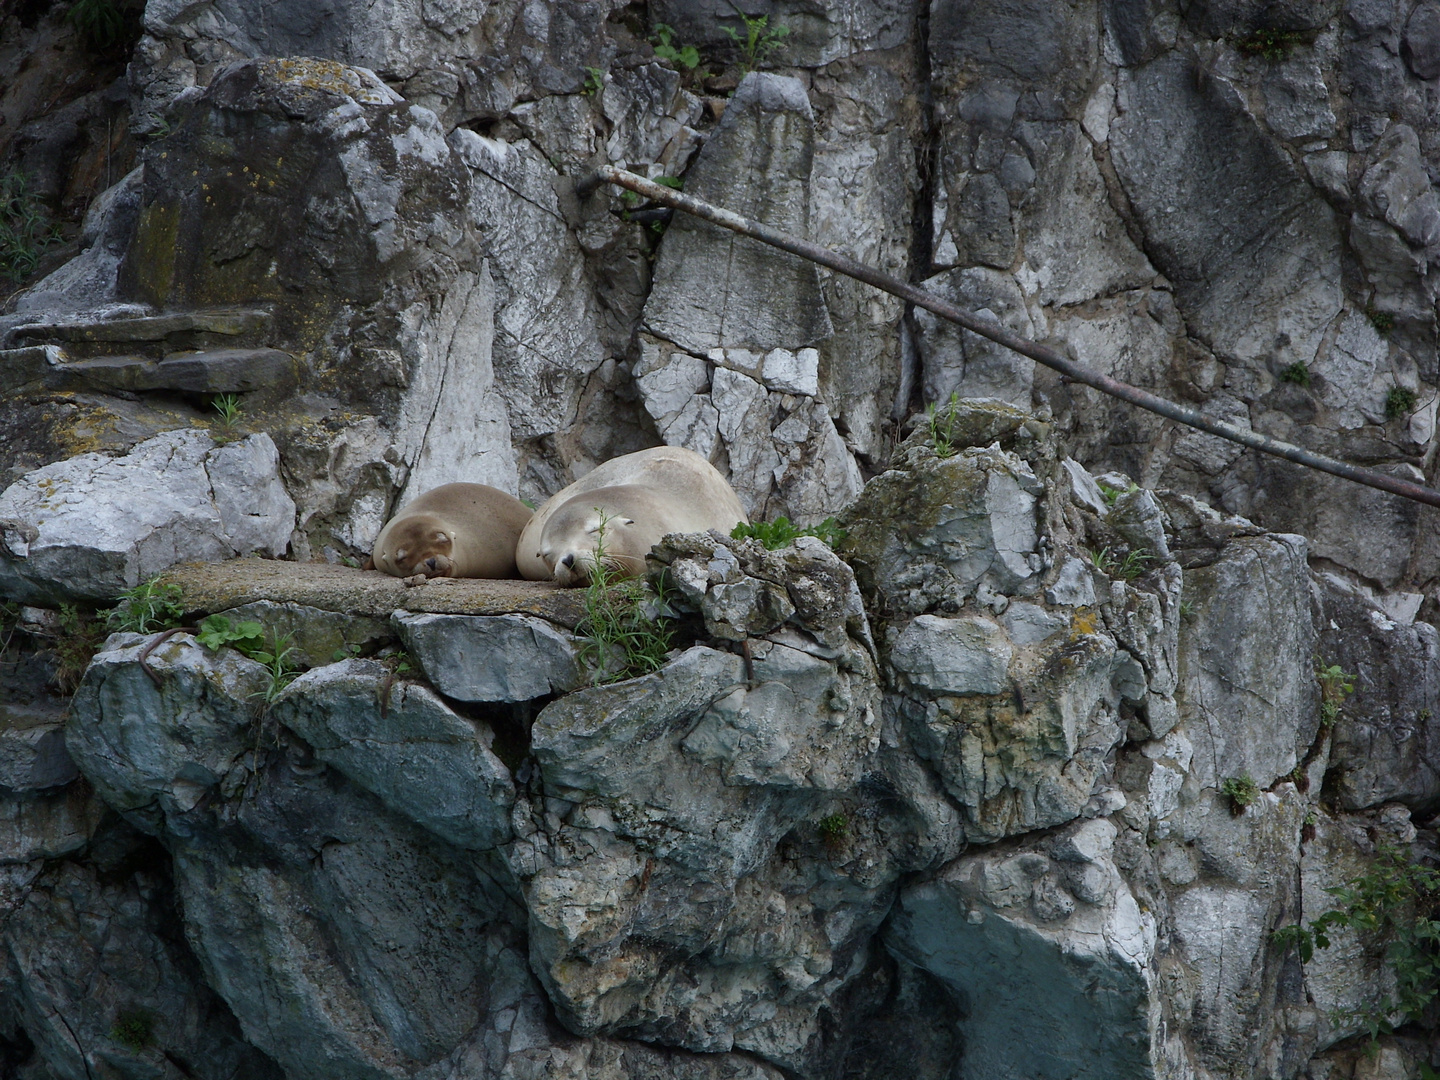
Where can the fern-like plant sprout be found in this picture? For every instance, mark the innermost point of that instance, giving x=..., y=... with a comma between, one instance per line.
x=1399, y=402
x=100, y=23
x=1336, y=685
x=759, y=40
x=1241, y=790
x=941, y=425
x=1296, y=373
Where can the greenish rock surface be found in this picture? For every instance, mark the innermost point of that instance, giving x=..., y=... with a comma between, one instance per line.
x=398, y=740
x=490, y=657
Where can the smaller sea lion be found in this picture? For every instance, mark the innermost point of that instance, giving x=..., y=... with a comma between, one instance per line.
x=456, y=531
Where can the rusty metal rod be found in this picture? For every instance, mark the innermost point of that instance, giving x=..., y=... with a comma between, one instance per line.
x=1041, y=354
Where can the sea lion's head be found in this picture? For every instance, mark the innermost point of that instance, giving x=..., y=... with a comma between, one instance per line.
x=417, y=545
x=605, y=526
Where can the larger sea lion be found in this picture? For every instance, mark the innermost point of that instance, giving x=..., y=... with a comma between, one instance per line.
x=455, y=530
x=627, y=504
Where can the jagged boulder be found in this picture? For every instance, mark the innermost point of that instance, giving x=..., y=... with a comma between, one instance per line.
x=711, y=779
x=91, y=527
x=1044, y=938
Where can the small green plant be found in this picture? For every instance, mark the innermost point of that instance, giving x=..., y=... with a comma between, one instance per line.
x=941, y=424
x=277, y=659
x=217, y=631
x=1296, y=373
x=1336, y=685
x=676, y=182
x=1134, y=564
x=78, y=642
x=348, y=651
x=759, y=40
x=227, y=406
x=146, y=608
x=625, y=630
x=1270, y=43
x=133, y=1029
x=780, y=533
x=273, y=650
x=834, y=832
x=100, y=23
x=1110, y=494
x=9, y=624
x=1187, y=608
x=25, y=228
x=594, y=81
x=1396, y=901
x=1103, y=560
x=1241, y=791
x=1382, y=321
x=1399, y=402
x=663, y=38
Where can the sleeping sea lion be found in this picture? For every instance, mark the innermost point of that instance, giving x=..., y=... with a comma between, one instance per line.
x=455, y=530
x=641, y=497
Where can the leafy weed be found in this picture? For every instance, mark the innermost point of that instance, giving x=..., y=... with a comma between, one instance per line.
x=146, y=608
x=25, y=228
x=625, y=630
x=780, y=533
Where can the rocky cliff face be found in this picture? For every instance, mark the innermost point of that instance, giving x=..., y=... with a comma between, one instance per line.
x=963, y=806
x=975, y=788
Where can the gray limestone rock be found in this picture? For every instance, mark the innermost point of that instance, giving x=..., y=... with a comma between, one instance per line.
x=106, y=524
x=88, y=281
x=318, y=637
x=1250, y=248
x=490, y=657
x=950, y=657
x=546, y=319
x=714, y=289
x=1297, y=101
x=1384, y=741
x=1030, y=753
x=930, y=535
x=701, y=780
x=681, y=784
x=1396, y=187
x=957, y=361
x=1249, y=702
x=1421, y=44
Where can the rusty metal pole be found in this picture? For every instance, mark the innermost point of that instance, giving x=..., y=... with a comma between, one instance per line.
x=1041, y=354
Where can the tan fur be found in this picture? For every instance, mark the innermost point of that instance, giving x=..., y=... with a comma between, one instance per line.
x=455, y=530
x=647, y=494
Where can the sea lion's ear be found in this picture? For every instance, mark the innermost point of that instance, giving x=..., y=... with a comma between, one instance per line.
x=400, y=554
x=628, y=521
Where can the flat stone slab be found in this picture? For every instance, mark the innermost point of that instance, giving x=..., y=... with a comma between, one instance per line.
x=220, y=586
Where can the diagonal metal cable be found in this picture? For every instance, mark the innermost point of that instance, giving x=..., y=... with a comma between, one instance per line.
x=1041, y=354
